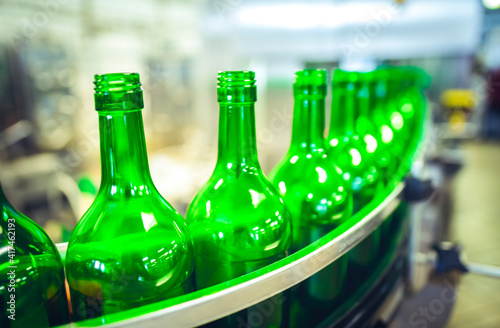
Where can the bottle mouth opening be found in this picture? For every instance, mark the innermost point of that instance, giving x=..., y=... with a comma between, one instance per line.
x=236, y=87
x=311, y=77
x=118, y=91
x=117, y=82
x=310, y=83
x=235, y=78
x=342, y=76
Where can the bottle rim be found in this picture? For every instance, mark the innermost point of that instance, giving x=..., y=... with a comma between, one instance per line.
x=236, y=87
x=235, y=78
x=310, y=83
x=118, y=91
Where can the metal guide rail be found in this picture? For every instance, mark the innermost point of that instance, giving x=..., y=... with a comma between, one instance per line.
x=218, y=301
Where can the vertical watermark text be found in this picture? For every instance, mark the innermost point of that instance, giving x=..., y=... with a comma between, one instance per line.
x=11, y=274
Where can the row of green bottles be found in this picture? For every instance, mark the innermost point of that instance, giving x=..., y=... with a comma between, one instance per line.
x=409, y=100
x=389, y=109
x=32, y=289
x=412, y=106
x=132, y=248
x=403, y=107
x=376, y=125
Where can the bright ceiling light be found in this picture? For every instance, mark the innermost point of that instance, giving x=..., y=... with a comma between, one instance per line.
x=491, y=4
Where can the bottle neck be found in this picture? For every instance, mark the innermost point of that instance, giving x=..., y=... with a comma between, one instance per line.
x=308, y=124
x=381, y=92
x=366, y=100
x=392, y=88
x=237, y=141
x=124, y=163
x=343, y=110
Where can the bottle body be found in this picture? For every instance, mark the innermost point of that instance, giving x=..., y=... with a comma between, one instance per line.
x=131, y=247
x=237, y=228
x=238, y=220
x=32, y=291
x=226, y=243
x=127, y=252
x=314, y=193
x=363, y=183
x=318, y=202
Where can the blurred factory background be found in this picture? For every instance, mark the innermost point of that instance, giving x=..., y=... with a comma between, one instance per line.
x=50, y=50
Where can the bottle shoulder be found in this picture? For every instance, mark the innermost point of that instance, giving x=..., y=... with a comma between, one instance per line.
x=246, y=188
x=350, y=152
x=240, y=214
x=139, y=216
x=314, y=191
x=27, y=237
x=360, y=168
x=32, y=254
x=307, y=168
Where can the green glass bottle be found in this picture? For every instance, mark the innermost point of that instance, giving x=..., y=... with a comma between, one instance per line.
x=32, y=291
x=238, y=220
x=392, y=80
x=386, y=103
x=412, y=106
x=347, y=149
x=348, y=152
x=131, y=247
x=406, y=100
x=366, y=120
x=313, y=188
x=382, y=122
